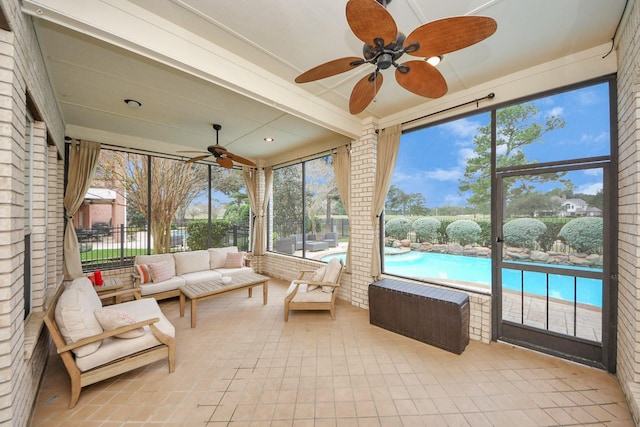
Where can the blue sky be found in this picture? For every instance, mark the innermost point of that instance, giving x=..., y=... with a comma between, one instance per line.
x=432, y=160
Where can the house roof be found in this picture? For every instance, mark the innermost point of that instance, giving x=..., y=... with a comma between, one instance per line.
x=192, y=63
x=98, y=195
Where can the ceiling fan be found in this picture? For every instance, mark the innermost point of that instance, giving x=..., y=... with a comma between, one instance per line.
x=223, y=157
x=384, y=45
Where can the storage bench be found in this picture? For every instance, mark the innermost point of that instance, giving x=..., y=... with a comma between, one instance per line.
x=433, y=315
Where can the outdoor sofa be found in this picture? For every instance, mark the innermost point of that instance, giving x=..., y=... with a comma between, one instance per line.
x=160, y=276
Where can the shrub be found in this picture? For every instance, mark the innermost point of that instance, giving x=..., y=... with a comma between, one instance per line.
x=426, y=229
x=583, y=234
x=485, y=233
x=548, y=238
x=197, y=233
x=464, y=231
x=442, y=231
x=523, y=232
x=397, y=228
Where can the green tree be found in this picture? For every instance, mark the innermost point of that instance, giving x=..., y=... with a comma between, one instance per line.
x=287, y=200
x=400, y=203
x=516, y=127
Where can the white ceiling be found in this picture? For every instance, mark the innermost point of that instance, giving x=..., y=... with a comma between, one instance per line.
x=192, y=63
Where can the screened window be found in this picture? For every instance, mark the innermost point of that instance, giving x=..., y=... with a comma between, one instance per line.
x=308, y=218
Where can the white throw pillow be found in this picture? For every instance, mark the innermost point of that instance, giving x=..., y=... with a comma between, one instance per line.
x=111, y=319
x=317, y=276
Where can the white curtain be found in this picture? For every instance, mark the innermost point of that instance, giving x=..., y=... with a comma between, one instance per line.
x=83, y=158
x=342, y=169
x=388, y=143
x=258, y=207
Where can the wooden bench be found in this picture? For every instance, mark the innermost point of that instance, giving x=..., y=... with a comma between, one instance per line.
x=433, y=315
x=166, y=349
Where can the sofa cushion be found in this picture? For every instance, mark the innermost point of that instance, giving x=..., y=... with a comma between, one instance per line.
x=75, y=319
x=114, y=348
x=234, y=271
x=235, y=259
x=201, y=276
x=218, y=256
x=111, y=319
x=192, y=261
x=309, y=296
x=168, y=285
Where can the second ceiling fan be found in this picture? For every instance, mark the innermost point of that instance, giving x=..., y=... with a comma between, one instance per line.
x=223, y=156
x=384, y=45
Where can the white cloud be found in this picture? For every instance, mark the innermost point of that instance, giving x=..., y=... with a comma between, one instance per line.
x=556, y=111
x=592, y=172
x=601, y=137
x=587, y=97
x=463, y=128
x=592, y=188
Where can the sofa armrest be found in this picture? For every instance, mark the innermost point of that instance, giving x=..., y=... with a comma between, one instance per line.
x=107, y=334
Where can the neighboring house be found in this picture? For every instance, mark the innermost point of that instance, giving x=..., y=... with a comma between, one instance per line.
x=101, y=208
x=578, y=207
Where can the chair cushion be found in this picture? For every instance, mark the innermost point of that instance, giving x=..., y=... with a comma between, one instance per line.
x=168, y=285
x=218, y=256
x=312, y=296
x=149, y=259
x=75, y=319
x=331, y=274
x=201, y=276
x=192, y=261
x=114, y=348
x=111, y=319
x=84, y=285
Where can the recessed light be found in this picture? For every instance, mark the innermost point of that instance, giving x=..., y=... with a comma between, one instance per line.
x=133, y=103
x=269, y=139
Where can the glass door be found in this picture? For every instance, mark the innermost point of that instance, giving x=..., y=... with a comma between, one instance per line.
x=550, y=284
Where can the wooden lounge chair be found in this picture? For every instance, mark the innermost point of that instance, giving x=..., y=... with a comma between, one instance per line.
x=315, y=289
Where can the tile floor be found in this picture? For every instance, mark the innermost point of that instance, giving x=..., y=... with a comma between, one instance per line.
x=243, y=366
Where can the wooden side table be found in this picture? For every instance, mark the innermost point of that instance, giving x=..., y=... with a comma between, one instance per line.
x=110, y=285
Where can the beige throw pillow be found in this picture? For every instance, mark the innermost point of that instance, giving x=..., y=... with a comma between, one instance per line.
x=111, y=319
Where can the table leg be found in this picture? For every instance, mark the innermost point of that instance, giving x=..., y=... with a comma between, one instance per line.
x=194, y=312
x=265, y=290
x=182, y=304
x=250, y=292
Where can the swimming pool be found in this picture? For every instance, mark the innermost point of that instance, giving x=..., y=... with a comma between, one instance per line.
x=426, y=265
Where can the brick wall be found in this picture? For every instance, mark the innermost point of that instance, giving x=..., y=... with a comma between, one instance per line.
x=628, y=360
x=23, y=356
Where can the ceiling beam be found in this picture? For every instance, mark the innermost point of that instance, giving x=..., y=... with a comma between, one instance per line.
x=135, y=29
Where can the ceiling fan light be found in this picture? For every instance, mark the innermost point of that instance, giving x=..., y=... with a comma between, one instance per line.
x=434, y=60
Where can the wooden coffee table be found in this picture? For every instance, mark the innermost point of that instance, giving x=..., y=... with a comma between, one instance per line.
x=212, y=288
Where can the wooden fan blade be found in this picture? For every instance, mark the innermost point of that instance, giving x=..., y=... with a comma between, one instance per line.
x=369, y=20
x=239, y=159
x=198, y=158
x=422, y=79
x=225, y=162
x=329, y=69
x=363, y=93
x=450, y=34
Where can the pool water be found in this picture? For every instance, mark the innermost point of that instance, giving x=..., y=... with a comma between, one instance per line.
x=425, y=265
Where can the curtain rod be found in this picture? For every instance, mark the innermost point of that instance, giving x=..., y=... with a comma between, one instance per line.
x=477, y=101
